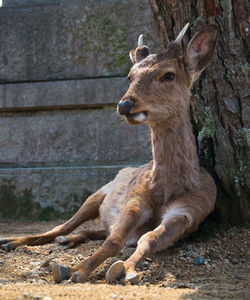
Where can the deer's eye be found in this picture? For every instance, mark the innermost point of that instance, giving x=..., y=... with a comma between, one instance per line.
x=169, y=76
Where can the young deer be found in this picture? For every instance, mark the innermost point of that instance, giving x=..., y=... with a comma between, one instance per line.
x=162, y=201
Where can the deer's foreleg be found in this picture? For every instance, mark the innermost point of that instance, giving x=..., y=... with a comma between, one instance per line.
x=89, y=210
x=129, y=219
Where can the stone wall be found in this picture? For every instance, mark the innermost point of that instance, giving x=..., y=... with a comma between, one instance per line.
x=63, y=66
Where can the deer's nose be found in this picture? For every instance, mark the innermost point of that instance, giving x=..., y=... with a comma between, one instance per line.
x=125, y=106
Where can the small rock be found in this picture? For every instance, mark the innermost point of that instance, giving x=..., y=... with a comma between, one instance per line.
x=1, y=261
x=114, y=296
x=36, y=297
x=149, y=259
x=29, y=274
x=144, y=266
x=199, y=260
x=40, y=281
x=186, y=247
x=45, y=263
x=46, y=298
x=25, y=295
x=105, y=268
x=35, y=263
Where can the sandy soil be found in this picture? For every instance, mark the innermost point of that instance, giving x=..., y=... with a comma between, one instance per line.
x=170, y=274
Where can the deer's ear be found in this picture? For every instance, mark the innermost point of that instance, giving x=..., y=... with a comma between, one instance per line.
x=140, y=52
x=200, y=50
x=132, y=56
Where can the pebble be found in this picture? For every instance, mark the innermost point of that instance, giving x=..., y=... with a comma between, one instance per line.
x=35, y=263
x=144, y=266
x=186, y=247
x=36, y=297
x=114, y=296
x=149, y=259
x=40, y=281
x=46, y=298
x=46, y=262
x=199, y=260
x=1, y=261
x=29, y=274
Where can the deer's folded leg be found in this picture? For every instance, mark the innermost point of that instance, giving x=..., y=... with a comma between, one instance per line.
x=89, y=210
x=74, y=240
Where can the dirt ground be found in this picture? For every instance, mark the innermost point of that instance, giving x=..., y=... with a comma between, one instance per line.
x=170, y=274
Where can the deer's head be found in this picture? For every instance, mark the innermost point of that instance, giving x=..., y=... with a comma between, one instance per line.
x=160, y=83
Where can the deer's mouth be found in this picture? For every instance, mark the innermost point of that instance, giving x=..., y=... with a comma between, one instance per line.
x=136, y=118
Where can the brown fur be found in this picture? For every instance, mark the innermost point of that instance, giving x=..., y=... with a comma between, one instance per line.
x=160, y=202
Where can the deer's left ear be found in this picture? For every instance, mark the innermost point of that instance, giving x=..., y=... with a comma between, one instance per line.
x=140, y=52
x=132, y=56
x=200, y=50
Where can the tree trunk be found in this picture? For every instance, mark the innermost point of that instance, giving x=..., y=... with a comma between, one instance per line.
x=220, y=102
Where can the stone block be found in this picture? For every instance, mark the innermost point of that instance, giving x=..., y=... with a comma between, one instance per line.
x=61, y=189
x=71, y=138
x=71, y=39
x=61, y=94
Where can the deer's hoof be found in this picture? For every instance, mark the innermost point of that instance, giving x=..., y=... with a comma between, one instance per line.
x=6, y=247
x=3, y=241
x=133, y=277
x=78, y=278
x=60, y=273
x=116, y=271
x=61, y=239
x=63, y=242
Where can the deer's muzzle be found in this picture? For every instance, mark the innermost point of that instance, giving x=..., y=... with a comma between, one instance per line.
x=124, y=106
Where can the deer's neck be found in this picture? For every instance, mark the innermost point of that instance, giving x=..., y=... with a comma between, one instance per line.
x=175, y=161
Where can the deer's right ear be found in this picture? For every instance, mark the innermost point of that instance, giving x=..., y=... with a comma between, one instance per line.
x=200, y=50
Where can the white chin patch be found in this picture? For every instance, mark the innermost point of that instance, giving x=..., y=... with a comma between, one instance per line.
x=140, y=117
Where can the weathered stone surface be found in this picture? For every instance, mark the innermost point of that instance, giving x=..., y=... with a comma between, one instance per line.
x=31, y=3
x=63, y=93
x=62, y=67
x=76, y=138
x=61, y=189
x=71, y=39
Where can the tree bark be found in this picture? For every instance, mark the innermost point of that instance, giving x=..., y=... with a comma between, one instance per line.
x=220, y=103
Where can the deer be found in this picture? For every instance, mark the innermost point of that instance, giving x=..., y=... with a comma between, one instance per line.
x=154, y=205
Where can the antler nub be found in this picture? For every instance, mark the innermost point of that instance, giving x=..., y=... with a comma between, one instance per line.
x=181, y=34
x=140, y=41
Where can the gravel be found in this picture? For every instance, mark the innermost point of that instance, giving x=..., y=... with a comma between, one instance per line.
x=221, y=271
